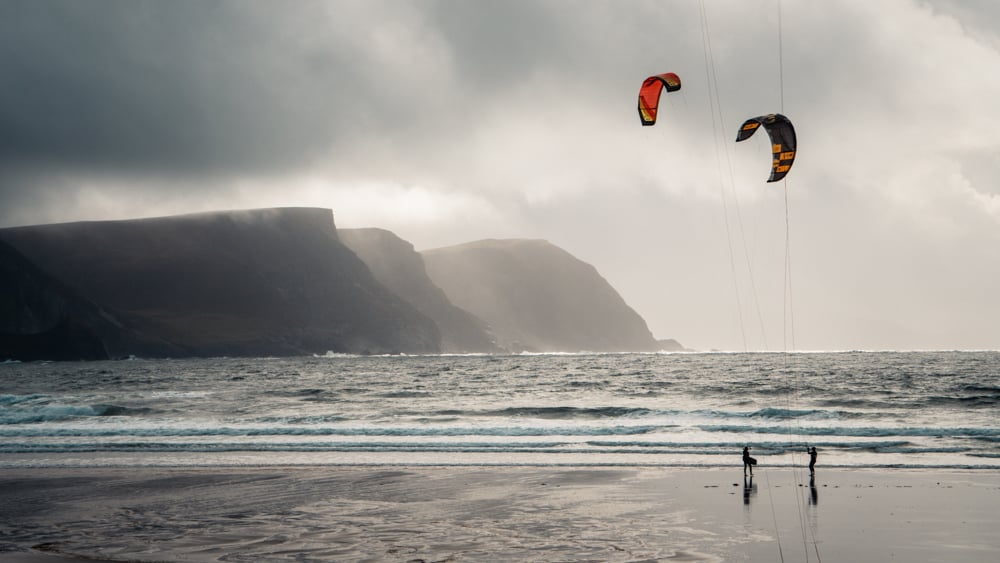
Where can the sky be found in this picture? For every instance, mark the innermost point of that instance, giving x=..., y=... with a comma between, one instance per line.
x=458, y=120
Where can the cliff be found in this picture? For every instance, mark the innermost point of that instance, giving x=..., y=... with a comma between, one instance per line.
x=537, y=297
x=258, y=282
x=41, y=318
x=286, y=282
x=400, y=268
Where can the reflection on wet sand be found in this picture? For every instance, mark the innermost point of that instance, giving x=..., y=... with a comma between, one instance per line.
x=749, y=489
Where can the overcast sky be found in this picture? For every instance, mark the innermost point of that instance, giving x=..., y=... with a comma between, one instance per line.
x=452, y=121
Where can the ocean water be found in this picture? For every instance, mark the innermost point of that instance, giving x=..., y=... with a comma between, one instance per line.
x=859, y=409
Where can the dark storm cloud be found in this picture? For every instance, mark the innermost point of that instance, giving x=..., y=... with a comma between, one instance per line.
x=164, y=87
x=190, y=87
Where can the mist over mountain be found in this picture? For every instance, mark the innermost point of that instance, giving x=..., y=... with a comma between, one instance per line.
x=285, y=281
x=396, y=265
x=259, y=282
x=538, y=297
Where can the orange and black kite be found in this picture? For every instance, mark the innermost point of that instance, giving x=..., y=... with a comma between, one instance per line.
x=782, y=134
x=649, y=94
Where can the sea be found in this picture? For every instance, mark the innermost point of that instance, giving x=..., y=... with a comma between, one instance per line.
x=859, y=409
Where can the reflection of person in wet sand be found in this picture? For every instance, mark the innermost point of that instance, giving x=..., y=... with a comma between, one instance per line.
x=748, y=461
x=813, y=495
x=748, y=489
x=812, y=459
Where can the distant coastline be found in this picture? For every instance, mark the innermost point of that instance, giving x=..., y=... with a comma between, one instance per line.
x=286, y=282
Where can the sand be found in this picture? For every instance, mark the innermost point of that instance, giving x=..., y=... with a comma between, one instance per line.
x=496, y=514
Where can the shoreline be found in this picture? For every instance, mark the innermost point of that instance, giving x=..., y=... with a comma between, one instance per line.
x=891, y=467
x=509, y=513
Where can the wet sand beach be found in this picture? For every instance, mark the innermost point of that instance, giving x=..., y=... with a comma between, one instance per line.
x=495, y=513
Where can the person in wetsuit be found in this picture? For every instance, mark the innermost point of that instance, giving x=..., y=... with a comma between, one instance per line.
x=748, y=461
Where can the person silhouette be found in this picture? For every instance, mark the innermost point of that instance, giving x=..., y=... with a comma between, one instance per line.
x=812, y=459
x=748, y=461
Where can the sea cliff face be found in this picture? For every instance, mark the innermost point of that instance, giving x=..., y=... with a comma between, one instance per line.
x=286, y=282
x=399, y=267
x=538, y=297
x=259, y=282
x=42, y=319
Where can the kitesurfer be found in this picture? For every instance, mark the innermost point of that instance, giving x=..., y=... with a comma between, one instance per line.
x=812, y=459
x=748, y=461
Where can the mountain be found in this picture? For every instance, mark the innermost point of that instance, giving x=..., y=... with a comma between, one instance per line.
x=284, y=281
x=40, y=318
x=256, y=282
x=537, y=297
x=400, y=268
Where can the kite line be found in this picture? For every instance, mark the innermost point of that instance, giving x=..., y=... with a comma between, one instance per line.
x=781, y=134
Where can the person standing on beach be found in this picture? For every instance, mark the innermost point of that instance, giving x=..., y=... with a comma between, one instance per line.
x=748, y=461
x=812, y=459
